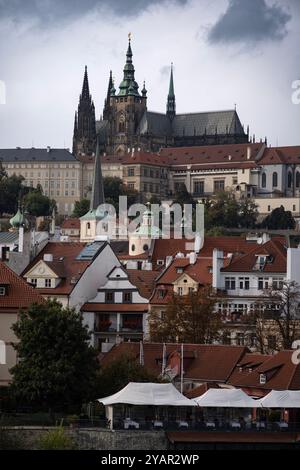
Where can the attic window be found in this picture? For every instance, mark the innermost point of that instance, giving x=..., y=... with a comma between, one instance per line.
x=3, y=290
x=179, y=270
x=160, y=262
x=161, y=293
x=262, y=379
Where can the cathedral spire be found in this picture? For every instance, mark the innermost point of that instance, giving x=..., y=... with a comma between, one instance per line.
x=97, y=190
x=171, y=106
x=85, y=94
x=84, y=137
x=128, y=81
x=107, y=99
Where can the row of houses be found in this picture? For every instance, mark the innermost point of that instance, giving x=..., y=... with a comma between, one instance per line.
x=271, y=175
x=117, y=291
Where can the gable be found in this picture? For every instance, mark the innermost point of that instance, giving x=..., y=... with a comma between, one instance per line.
x=185, y=277
x=40, y=270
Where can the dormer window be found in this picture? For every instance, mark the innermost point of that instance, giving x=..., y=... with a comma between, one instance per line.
x=33, y=282
x=161, y=293
x=179, y=270
x=47, y=282
x=262, y=379
x=3, y=290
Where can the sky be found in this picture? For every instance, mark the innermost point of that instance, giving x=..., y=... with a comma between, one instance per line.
x=226, y=53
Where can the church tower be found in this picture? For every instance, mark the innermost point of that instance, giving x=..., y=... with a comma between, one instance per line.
x=125, y=109
x=84, y=136
x=171, y=105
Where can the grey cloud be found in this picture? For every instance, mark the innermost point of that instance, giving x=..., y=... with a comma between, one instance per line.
x=250, y=22
x=58, y=10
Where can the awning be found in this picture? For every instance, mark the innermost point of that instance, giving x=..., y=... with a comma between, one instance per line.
x=226, y=398
x=136, y=393
x=281, y=399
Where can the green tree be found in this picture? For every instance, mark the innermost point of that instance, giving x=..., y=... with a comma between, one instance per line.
x=81, y=208
x=37, y=204
x=114, y=187
x=182, y=196
x=248, y=213
x=188, y=319
x=116, y=375
x=279, y=219
x=58, y=368
x=11, y=189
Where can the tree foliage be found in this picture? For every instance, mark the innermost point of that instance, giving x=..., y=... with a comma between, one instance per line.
x=119, y=373
x=279, y=219
x=57, y=366
x=277, y=316
x=11, y=190
x=188, y=319
x=37, y=204
x=81, y=208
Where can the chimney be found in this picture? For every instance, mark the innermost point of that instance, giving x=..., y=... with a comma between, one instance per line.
x=48, y=149
x=193, y=257
x=218, y=261
x=248, y=153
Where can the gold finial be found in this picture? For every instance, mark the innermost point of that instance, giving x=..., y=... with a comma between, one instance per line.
x=129, y=36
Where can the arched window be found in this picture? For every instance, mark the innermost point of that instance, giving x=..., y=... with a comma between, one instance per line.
x=263, y=180
x=298, y=179
x=275, y=179
x=132, y=247
x=290, y=179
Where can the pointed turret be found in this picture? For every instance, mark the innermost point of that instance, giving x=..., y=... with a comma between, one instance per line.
x=97, y=190
x=128, y=77
x=84, y=137
x=171, y=105
x=107, y=99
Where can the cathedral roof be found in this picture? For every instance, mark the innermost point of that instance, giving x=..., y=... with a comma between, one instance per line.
x=154, y=123
x=210, y=123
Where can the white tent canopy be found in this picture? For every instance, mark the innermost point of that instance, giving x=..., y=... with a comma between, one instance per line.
x=136, y=393
x=226, y=398
x=281, y=399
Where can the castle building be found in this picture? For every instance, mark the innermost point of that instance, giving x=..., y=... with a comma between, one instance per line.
x=127, y=123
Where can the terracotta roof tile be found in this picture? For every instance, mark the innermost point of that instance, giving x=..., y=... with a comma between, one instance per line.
x=19, y=293
x=143, y=280
x=71, y=223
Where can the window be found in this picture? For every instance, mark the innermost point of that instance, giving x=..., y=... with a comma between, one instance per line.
x=290, y=179
x=297, y=179
x=145, y=247
x=179, y=270
x=130, y=171
x=130, y=185
x=33, y=282
x=277, y=283
x=262, y=379
x=263, y=283
x=161, y=293
x=160, y=262
x=244, y=283
x=132, y=247
x=240, y=339
x=109, y=296
x=198, y=187
x=263, y=180
x=219, y=185
x=191, y=290
x=47, y=282
x=226, y=339
x=2, y=290
x=127, y=297
x=294, y=207
x=179, y=290
x=275, y=179
x=230, y=283
x=269, y=208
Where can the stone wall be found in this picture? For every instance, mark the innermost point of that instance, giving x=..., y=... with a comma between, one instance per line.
x=97, y=439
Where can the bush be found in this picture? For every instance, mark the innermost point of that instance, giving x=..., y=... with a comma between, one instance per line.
x=56, y=439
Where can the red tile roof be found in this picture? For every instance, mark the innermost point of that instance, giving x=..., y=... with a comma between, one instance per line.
x=212, y=154
x=279, y=155
x=98, y=307
x=280, y=371
x=71, y=223
x=70, y=268
x=19, y=293
x=143, y=280
x=208, y=363
x=273, y=248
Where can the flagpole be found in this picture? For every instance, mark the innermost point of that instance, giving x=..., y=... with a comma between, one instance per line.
x=181, y=370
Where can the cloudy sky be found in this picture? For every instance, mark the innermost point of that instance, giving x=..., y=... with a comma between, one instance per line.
x=225, y=52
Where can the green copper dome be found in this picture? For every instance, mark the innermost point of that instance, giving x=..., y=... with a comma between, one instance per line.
x=17, y=220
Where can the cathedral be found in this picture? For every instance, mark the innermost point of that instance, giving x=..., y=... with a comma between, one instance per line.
x=126, y=122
